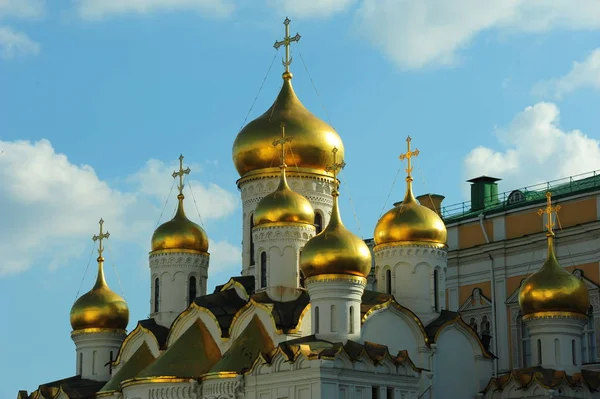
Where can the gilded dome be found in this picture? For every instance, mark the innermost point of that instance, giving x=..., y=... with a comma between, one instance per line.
x=335, y=250
x=284, y=206
x=410, y=222
x=180, y=233
x=100, y=307
x=553, y=289
x=312, y=137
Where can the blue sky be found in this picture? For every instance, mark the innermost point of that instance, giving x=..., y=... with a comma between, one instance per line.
x=99, y=98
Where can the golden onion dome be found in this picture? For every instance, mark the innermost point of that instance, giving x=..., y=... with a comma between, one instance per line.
x=410, y=222
x=180, y=233
x=284, y=206
x=100, y=308
x=553, y=289
x=335, y=250
x=312, y=137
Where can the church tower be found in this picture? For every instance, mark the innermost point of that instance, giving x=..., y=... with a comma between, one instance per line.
x=411, y=253
x=309, y=154
x=283, y=223
x=554, y=304
x=99, y=319
x=178, y=262
x=336, y=264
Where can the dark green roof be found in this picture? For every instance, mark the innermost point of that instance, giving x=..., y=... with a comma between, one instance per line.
x=136, y=363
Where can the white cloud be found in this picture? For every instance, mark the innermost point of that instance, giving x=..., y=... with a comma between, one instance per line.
x=16, y=44
x=421, y=33
x=320, y=8
x=50, y=207
x=535, y=150
x=99, y=9
x=22, y=8
x=583, y=74
x=225, y=260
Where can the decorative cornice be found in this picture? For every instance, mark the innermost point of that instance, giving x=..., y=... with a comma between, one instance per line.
x=554, y=315
x=322, y=278
x=95, y=331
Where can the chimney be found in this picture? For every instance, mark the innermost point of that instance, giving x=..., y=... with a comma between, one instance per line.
x=484, y=192
x=432, y=201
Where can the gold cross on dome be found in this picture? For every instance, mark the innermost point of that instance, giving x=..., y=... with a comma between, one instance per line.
x=408, y=155
x=181, y=173
x=287, y=41
x=335, y=167
x=281, y=141
x=100, y=237
x=548, y=211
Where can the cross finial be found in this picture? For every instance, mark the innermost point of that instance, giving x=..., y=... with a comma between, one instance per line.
x=181, y=172
x=335, y=167
x=548, y=211
x=408, y=155
x=281, y=141
x=287, y=41
x=100, y=237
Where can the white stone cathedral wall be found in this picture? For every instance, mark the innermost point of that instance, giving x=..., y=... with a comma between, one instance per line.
x=282, y=245
x=173, y=269
x=316, y=189
x=412, y=271
x=94, y=352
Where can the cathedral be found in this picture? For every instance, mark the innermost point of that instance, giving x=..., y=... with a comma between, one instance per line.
x=316, y=312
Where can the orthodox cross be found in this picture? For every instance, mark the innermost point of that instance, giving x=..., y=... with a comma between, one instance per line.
x=548, y=211
x=281, y=141
x=335, y=167
x=181, y=173
x=408, y=155
x=101, y=237
x=287, y=41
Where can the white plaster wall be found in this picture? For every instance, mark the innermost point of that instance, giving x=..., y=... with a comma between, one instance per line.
x=94, y=349
x=396, y=331
x=317, y=189
x=166, y=390
x=412, y=268
x=174, y=269
x=334, y=299
x=456, y=373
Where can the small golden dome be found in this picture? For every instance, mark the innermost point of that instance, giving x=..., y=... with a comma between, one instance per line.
x=100, y=307
x=335, y=250
x=284, y=206
x=553, y=289
x=410, y=222
x=313, y=138
x=180, y=233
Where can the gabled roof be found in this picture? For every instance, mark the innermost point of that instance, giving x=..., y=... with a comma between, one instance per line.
x=160, y=332
x=286, y=314
x=245, y=281
x=545, y=378
x=223, y=305
x=253, y=342
x=136, y=363
x=190, y=356
x=475, y=302
x=75, y=387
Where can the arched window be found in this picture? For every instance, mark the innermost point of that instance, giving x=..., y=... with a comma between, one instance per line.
x=485, y=326
x=436, y=293
x=263, y=269
x=110, y=363
x=94, y=362
x=316, y=320
x=588, y=340
x=557, y=351
x=156, y=294
x=574, y=352
x=318, y=222
x=80, y=368
x=473, y=324
x=351, y=320
x=539, y=352
x=388, y=281
x=333, y=319
x=252, y=262
x=302, y=279
x=525, y=344
x=191, y=290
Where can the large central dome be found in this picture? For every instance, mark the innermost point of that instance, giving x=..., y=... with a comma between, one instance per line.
x=312, y=138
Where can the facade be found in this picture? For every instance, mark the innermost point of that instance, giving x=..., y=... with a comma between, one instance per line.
x=313, y=314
